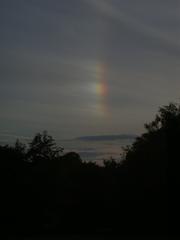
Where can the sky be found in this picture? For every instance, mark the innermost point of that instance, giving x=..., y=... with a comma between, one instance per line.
x=86, y=67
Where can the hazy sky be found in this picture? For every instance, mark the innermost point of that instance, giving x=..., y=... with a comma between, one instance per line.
x=86, y=67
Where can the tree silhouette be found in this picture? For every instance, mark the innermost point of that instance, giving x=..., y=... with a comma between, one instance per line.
x=111, y=163
x=43, y=147
x=147, y=158
x=168, y=118
x=20, y=148
x=63, y=193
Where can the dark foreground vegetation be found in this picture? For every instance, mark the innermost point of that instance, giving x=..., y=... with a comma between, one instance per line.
x=44, y=191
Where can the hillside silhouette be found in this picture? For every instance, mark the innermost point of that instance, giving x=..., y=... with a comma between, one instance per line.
x=45, y=191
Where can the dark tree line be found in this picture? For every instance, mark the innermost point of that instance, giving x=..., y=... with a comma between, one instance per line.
x=46, y=191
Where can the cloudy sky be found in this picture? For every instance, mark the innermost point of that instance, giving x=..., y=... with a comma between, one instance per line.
x=86, y=67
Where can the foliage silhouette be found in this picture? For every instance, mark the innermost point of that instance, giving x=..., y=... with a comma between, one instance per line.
x=42, y=147
x=147, y=158
x=46, y=191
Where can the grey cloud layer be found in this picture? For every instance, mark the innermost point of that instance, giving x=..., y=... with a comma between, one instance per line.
x=51, y=50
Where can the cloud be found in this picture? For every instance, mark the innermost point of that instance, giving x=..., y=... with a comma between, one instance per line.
x=110, y=10
x=50, y=54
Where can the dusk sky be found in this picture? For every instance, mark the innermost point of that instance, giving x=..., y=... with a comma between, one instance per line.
x=86, y=67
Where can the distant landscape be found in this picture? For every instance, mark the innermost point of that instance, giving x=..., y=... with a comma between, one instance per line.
x=98, y=148
x=90, y=148
x=107, y=137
